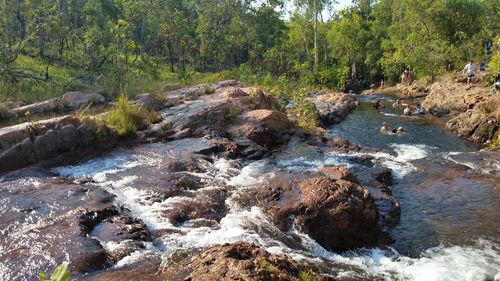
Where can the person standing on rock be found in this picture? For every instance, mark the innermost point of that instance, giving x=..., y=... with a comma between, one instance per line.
x=405, y=77
x=471, y=70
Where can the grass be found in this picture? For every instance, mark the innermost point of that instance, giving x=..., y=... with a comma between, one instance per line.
x=60, y=80
x=126, y=118
x=60, y=273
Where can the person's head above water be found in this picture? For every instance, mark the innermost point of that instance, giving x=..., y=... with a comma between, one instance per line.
x=401, y=129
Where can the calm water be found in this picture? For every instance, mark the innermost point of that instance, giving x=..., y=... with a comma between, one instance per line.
x=444, y=200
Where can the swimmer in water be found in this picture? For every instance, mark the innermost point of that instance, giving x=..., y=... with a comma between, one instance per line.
x=385, y=128
x=408, y=111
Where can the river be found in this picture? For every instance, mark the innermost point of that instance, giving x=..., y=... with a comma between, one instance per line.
x=448, y=190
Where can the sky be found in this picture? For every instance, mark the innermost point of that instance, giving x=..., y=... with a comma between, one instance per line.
x=341, y=4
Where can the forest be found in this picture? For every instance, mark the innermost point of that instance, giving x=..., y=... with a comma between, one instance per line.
x=124, y=46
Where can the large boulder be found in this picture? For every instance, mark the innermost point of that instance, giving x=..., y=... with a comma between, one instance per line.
x=476, y=125
x=263, y=126
x=333, y=107
x=149, y=101
x=239, y=261
x=475, y=111
x=27, y=143
x=334, y=210
x=77, y=99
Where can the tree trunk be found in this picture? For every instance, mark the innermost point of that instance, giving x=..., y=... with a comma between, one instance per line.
x=316, y=53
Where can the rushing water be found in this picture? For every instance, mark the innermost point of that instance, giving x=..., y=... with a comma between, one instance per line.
x=449, y=194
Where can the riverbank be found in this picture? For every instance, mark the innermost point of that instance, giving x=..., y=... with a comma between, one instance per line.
x=225, y=178
x=471, y=113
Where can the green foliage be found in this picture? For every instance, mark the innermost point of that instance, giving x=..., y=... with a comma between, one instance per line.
x=126, y=118
x=60, y=273
x=305, y=112
x=494, y=66
x=126, y=47
x=231, y=115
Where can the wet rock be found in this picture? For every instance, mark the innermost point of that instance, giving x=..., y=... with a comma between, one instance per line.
x=338, y=214
x=338, y=173
x=333, y=107
x=121, y=235
x=149, y=101
x=209, y=205
x=144, y=267
x=189, y=162
x=341, y=144
x=239, y=261
x=383, y=175
x=265, y=127
x=41, y=227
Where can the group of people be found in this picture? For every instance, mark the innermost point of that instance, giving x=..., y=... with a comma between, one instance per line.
x=408, y=109
x=387, y=130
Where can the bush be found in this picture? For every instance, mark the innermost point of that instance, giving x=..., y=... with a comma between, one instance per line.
x=305, y=112
x=126, y=118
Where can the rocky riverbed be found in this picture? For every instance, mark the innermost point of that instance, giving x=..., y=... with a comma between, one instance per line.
x=228, y=188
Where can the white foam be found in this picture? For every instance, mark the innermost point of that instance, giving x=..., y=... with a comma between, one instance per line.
x=303, y=163
x=487, y=166
x=256, y=173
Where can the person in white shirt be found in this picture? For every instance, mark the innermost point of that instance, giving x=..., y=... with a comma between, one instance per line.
x=471, y=70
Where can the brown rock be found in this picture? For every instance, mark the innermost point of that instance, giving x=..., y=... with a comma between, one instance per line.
x=338, y=214
x=239, y=261
x=265, y=127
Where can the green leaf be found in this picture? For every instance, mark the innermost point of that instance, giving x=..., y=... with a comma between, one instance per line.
x=61, y=273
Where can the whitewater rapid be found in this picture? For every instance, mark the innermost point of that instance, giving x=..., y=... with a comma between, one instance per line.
x=114, y=172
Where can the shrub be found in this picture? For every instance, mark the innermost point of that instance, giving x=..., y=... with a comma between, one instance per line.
x=60, y=273
x=126, y=118
x=231, y=115
x=305, y=112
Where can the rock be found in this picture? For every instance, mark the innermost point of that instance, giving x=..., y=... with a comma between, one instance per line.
x=333, y=107
x=476, y=110
x=475, y=126
x=207, y=205
x=149, y=101
x=124, y=233
x=6, y=112
x=55, y=142
x=17, y=156
x=13, y=134
x=51, y=105
x=41, y=227
x=48, y=139
x=77, y=99
x=338, y=173
x=239, y=261
x=265, y=127
x=338, y=214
